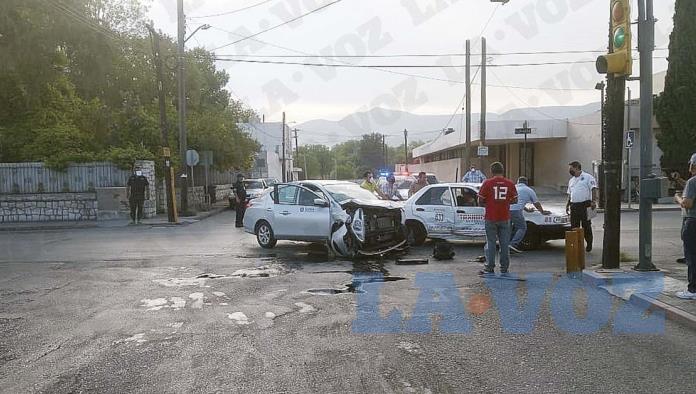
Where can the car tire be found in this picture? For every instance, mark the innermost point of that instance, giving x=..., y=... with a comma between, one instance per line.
x=415, y=233
x=532, y=238
x=264, y=235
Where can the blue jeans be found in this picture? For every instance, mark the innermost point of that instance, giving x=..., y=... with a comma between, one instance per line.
x=497, y=231
x=519, y=227
x=688, y=235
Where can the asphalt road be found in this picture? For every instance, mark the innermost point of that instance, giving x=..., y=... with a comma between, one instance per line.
x=201, y=308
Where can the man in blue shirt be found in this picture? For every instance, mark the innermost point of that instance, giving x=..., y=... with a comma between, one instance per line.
x=474, y=176
x=688, y=234
x=525, y=195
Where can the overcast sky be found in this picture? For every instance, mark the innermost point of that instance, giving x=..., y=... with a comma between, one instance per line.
x=388, y=27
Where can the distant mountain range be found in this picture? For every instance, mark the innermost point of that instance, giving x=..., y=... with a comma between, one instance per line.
x=420, y=127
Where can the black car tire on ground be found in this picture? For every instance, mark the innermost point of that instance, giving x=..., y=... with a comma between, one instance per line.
x=532, y=239
x=264, y=235
x=415, y=233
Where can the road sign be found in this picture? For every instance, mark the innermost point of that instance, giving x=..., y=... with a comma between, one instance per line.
x=523, y=130
x=192, y=157
x=483, y=150
x=630, y=139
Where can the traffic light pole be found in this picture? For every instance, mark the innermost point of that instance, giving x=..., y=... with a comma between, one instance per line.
x=614, y=108
x=646, y=45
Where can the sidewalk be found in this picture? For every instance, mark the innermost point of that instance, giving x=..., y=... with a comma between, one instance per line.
x=655, y=290
x=157, y=221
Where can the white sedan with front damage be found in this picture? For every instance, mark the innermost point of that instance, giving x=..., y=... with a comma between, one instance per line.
x=450, y=211
x=349, y=219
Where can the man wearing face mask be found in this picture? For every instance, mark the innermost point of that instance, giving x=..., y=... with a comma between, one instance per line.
x=474, y=176
x=369, y=184
x=137, y=191
x=582, y=194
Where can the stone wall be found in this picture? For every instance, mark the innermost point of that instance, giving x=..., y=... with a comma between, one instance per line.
x=196, y=196
x=48, y=207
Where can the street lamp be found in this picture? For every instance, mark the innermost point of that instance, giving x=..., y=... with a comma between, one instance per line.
x=201, y=27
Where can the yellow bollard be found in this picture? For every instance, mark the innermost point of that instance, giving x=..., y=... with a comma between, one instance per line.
x=575, y=254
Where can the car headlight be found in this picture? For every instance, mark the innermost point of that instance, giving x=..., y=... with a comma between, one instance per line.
x=358, y=225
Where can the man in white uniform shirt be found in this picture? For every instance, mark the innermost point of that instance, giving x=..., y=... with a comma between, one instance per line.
x=582, y=194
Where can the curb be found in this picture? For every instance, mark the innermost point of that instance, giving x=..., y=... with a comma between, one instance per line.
x=48, y=228
x=670, y=209
x=671, y=312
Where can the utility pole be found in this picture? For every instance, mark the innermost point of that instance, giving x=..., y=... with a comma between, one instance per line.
x=467, y=150
x=166, y=153
x=482, y=127
x=646, y=45
x=181, y=30
x=614, y=113
x=285, y=175
x=386, y=153
x=601, y=86
x=628, y=152
x=406, y=149
x=305, y=166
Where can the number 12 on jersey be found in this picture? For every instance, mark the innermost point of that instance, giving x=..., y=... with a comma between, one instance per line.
x=500, y=193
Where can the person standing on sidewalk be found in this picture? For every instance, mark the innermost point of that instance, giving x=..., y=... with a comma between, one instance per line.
x=582, y=194
x=688, y=234
x=525, y=195
x=497, y=193
x=137, y=191
x=240, y=194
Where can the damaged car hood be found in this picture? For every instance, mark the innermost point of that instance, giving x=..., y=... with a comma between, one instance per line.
x=356, y=203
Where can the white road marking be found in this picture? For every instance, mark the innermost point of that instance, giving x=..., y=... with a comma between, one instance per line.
x=174, y=282
x=177, y=303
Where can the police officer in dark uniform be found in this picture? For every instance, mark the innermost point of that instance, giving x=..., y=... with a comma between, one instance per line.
x=137, y=192
x=240, y=198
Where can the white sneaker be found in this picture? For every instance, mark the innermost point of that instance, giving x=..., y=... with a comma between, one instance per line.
x=686, y=295
x=514, y=249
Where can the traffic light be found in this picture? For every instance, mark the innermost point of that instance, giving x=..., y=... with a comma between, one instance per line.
x=618, y=61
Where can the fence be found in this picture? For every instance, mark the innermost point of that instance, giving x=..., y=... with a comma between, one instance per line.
x=24, y=178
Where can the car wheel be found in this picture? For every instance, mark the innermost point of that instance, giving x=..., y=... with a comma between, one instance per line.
x=415, y=233
x=264, y=235
x=532, y=238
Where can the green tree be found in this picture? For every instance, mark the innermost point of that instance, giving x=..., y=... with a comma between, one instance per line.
x=675, y=106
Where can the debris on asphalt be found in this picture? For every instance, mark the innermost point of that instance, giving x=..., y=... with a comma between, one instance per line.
x=411, y=261
x=239, y=318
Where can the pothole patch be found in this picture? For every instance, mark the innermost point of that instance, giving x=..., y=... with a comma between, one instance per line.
x=265, y=271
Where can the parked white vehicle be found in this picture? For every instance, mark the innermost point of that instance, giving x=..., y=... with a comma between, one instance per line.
x=350, y=219
x=450, y=211
x=254, y=188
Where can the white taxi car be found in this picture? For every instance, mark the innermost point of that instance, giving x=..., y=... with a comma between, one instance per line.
x=450, y=211
x=350, y=219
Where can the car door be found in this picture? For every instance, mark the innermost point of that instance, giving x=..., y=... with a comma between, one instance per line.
x=435, y=210
x=296, y=217
x=469, y=217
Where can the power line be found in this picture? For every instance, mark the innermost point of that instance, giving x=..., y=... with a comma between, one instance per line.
x=231, y=12
x=416, y=55
x=398, y=65
x=278, y=25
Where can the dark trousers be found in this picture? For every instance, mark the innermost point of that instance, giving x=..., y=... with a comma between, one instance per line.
x=136, y=208
x=688, y=236
x=239, y=210
x=578, y=217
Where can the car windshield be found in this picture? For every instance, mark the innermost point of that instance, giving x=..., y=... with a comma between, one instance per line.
x=405, y=185
x=253, y=185
x=271, y=181
x=345, y=191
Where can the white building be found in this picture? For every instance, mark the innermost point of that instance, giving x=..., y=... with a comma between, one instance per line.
x=269, y=161
x=552, y=144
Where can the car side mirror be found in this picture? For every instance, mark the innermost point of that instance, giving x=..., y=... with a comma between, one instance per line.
x=321, y=202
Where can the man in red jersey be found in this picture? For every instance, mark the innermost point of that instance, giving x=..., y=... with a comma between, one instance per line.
x=497, y=193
